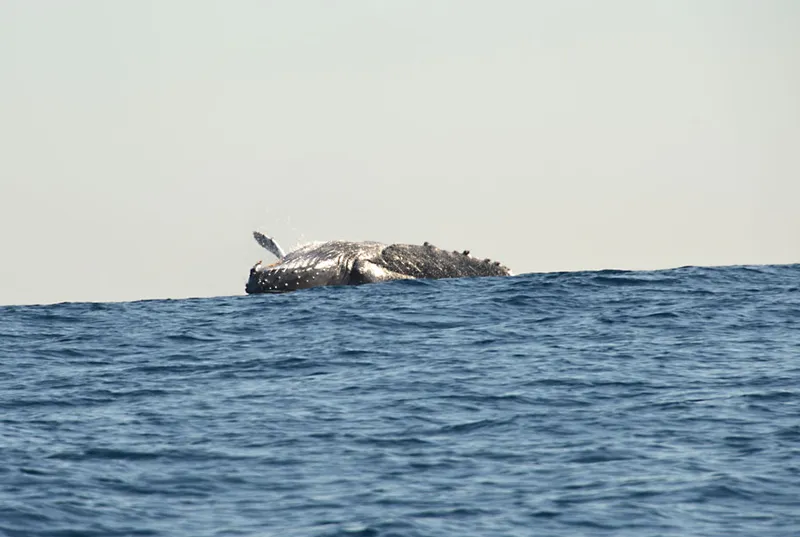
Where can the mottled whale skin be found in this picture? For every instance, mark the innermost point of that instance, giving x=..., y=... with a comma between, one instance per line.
x=356, y=263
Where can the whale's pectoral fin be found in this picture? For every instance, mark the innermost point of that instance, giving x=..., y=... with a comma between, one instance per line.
x=269, y=244
x=365, y=271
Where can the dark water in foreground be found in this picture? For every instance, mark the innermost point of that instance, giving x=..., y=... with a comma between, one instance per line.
x=596, y=403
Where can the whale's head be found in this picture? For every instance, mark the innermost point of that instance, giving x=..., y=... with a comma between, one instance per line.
x=313, y=265
x=282, y=277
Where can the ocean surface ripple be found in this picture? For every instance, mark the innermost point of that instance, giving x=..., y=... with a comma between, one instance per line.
x=562, y=404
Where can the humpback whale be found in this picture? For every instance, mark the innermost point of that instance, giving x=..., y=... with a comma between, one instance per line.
x=356, y=263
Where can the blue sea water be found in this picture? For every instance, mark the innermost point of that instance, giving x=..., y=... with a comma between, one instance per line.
x=591, y=403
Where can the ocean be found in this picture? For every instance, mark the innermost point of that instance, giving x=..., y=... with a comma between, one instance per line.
x=659, y=403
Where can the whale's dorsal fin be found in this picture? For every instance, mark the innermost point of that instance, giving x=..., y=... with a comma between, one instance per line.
x=269, y=244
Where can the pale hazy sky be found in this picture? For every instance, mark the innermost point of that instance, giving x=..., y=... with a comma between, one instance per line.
x=143, y=141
